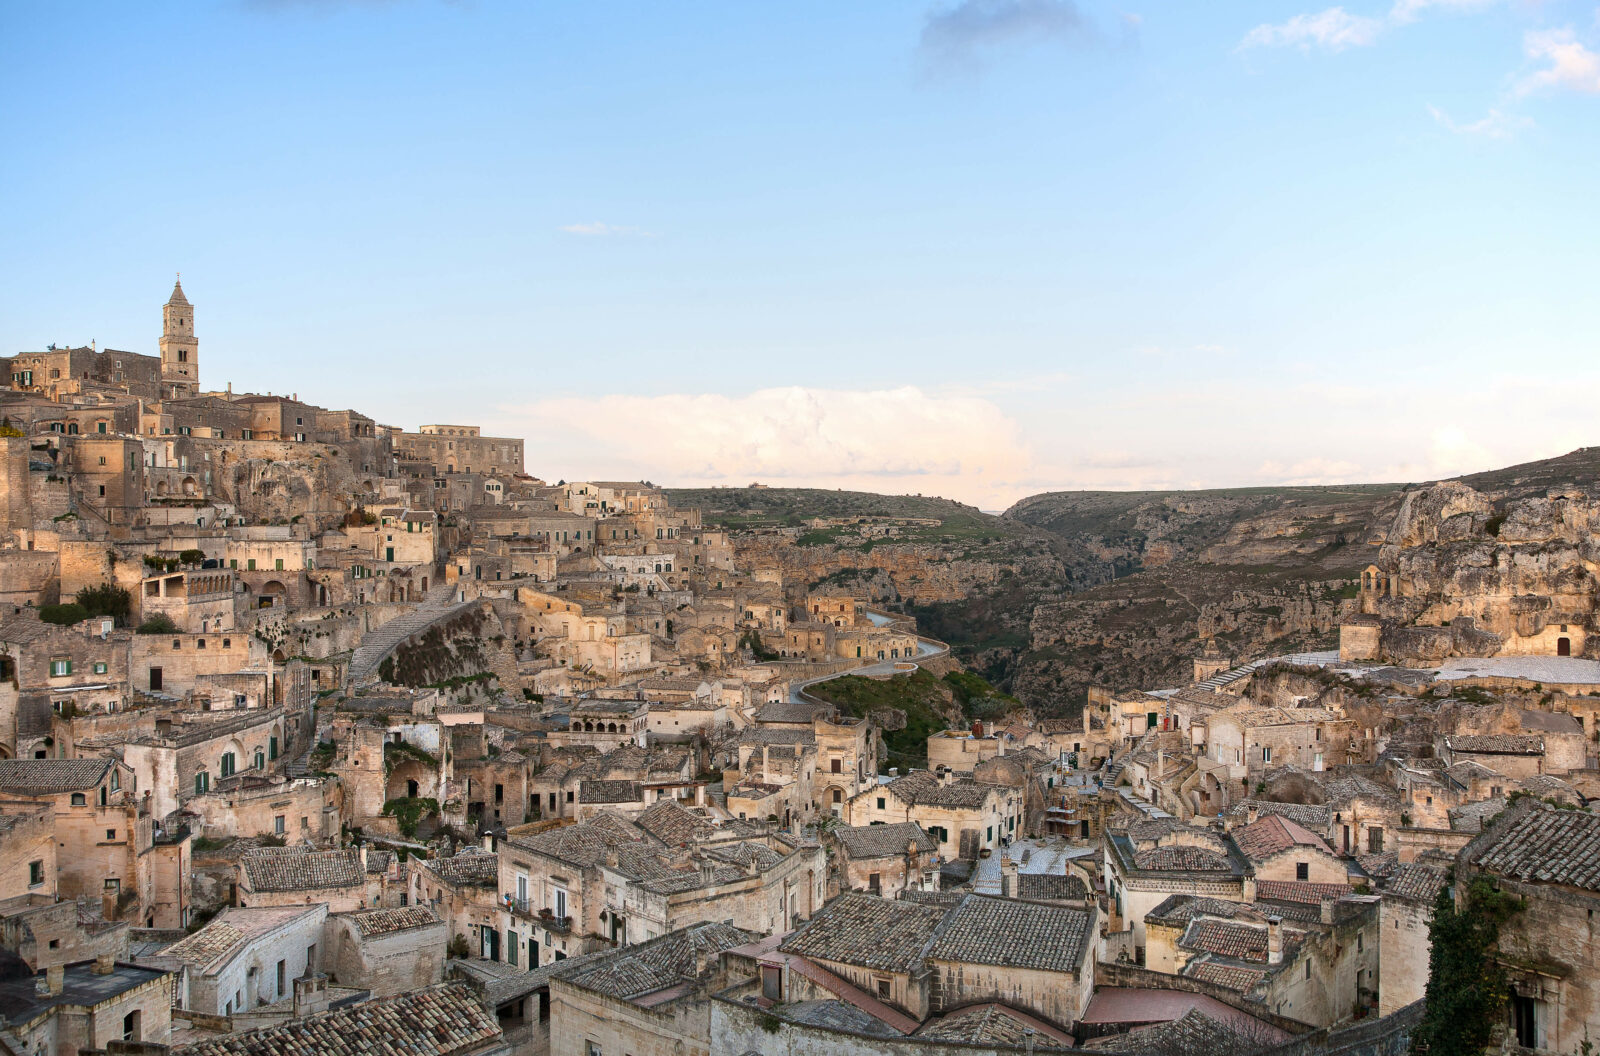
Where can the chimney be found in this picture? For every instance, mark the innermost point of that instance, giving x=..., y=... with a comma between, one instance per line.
x=1249, y=889
x=708, y=871
x=104, y=964
x=1008, y=876
x=1251, y=813
x=894, y=771
x=977, y=728
x=310, y=995
x=362, y=852
x=1161, y=763
x=1327, y=909
x=488, y=842
x=55, y=978
x=1274, y=940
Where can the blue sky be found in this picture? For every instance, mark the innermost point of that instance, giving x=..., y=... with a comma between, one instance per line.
x=980, y=248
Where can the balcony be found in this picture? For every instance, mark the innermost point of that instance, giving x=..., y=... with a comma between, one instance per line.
x=542, y=915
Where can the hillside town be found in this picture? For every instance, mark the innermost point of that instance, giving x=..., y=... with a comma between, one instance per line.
x=320, y=734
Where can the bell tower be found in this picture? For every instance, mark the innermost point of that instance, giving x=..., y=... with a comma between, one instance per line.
x=180, y=352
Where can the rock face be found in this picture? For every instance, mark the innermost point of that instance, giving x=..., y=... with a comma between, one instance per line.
x=1463, y=573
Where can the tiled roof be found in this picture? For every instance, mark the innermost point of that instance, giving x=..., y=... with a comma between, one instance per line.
x=1340, y=791
x=609, y=792
x=44, y=777
x=867, y=932
x=1311, y=816
x=672, y=823
x=1541, y=843
x=1379, y=865
x=923, y=789
x=1299, y=891
x=634, y=971
x=1047, y=887
x=373, y=922
x=1003, y=931
x=1497, y=744
x=441, y=1020
x=1273, y=835
x=274, y=869
x=1182, y=858
x=1225, y=938
x=472, y=867
x=1180, y=909
x=884, y=841
x=992, y=1024
x=226, y=935
x=1417, y=881
x=1194, y=1031
x=1241, y=980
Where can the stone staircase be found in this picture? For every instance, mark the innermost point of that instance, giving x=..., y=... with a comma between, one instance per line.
x=381, y=641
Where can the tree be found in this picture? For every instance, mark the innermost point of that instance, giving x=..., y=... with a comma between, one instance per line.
x=160, y=623
x=65, y=615
x=107, y=599
x=192, y=557
x=1467, y=989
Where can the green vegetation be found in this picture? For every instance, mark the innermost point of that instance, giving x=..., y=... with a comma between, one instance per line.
x=397, y=752
x=160, y=623
x=978, y=699
x=107, y=600
x=1467, y=989
x=751, y=640
x=64, y=615
x=408, y=812
x=192, y=556
x=919, y=695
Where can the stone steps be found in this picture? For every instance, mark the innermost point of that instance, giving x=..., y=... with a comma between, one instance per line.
x=381, y=641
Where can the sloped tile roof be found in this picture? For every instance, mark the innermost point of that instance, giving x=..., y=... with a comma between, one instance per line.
x=867, y=932
x=1182, y=858
x=1225, y=938
x=634, y=971
x=374, y=922
x=1273, y=835
x=440, y=1020
x=275, y=869
x=1311, y=816
x=44, y=777
x=1241, y=980
x=884, y=841
x=1003, y=931
x=1299, y=891
x=1045, y=887
x=1497, y=744
x=1541, y=843
x=609, y=792
x=672, y=823
x=472, y=867
x=1417, y=881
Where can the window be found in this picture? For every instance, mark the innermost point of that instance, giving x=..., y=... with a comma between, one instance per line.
x=1302, y=871
x=100, y=669
x=111, y=834
x=511, y=948
x=1375, y=840
x=261, y=759
x=116, y=780
x=130, y=1026
x=882, y=803
x=277, y=825
x=282, y=977
x=837, y=766
x=79, y=799
x=36, y=873
x=1266, y=753
x=202, y=783
x=228, y=764
x=883, y=987
x=60, y=667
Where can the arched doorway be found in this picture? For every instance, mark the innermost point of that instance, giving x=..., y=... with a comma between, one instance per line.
x=1563, y=646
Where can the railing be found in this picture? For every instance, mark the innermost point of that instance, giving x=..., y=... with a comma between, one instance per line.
x=541, y=915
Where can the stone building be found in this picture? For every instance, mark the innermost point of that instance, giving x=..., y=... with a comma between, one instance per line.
x=965, y=816
x=84, y=1005
x=386, y=951
x=243, y=958
x=1542, y=855
x=461, y=449
x=885, y=859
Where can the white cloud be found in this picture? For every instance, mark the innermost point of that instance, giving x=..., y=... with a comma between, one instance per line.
x=1496, y=124
x=1336, y=29
x=599, y=230
x=1569, y=64
x=889, y=440
x=1333, y=30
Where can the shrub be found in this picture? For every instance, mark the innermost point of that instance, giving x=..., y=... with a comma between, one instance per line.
x=107, y=600
x=65, y=615
x=192, y=557
x=160, y=623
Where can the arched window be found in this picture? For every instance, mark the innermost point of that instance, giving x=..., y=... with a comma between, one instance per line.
x=79, y=799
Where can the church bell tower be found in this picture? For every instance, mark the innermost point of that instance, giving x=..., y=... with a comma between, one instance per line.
x=180, y=352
